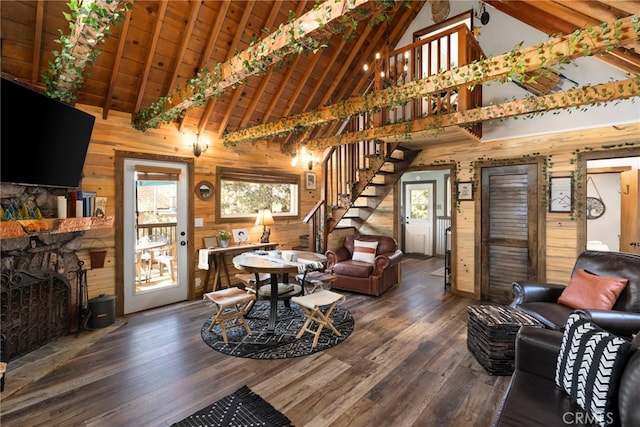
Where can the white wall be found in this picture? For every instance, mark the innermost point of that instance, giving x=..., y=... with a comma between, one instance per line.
x=500, y=36
x=605, y=229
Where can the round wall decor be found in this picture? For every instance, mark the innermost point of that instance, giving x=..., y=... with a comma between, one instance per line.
x=595, y=207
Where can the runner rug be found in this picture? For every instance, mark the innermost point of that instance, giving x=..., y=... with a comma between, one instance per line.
x=283, y=343
x=241, y=408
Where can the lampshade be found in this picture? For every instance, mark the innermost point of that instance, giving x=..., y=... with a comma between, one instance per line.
x=264, y=217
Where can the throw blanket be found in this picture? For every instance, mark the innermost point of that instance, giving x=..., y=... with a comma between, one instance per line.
x=203, y=259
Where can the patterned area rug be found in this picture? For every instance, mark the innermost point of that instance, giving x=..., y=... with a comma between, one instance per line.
x=241, y=408
x=283, y=343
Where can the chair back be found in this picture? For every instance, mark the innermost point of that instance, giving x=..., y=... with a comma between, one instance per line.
x=385, y=243
x=615, y=264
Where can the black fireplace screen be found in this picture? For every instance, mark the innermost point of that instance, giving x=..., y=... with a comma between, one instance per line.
x=34, y=309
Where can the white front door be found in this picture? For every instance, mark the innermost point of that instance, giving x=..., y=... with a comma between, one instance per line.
x=419, y=215
x=155, y=233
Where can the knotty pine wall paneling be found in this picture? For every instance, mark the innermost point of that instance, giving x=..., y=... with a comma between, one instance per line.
x=116, y=134
x=563, y=233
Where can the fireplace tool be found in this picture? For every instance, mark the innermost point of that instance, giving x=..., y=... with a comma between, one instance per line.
x=82, y=298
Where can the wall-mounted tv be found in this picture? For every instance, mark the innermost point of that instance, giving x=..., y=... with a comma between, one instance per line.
x=44, y=141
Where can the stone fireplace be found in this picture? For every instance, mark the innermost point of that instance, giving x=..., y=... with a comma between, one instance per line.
x=38, y=290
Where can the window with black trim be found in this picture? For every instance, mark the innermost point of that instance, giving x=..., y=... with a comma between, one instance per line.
x=242, y=192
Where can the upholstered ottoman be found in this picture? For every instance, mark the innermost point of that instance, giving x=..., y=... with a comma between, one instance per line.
x=491, y=335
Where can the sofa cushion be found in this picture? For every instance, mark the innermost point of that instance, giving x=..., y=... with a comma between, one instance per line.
x=531, y=400
x=353, y=268
x=590, y=291
x=364, y=251
x=590, y=364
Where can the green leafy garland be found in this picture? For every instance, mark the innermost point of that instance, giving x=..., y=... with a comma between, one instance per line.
x=89, y=24
x=258, y=61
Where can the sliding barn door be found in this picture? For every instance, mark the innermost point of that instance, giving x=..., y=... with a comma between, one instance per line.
x=509, y=229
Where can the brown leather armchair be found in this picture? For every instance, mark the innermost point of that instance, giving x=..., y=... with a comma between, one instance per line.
x=357, y=276
x=541, y=300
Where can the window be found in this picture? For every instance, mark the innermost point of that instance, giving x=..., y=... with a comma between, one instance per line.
x=241, y=193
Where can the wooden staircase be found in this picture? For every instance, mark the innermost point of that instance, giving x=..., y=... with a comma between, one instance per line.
x=357, y=177
x=374, y=183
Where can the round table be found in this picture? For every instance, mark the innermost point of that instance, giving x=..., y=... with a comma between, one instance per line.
x=268, y=262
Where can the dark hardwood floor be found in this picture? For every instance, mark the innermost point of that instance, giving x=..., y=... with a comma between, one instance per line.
x=406, y=364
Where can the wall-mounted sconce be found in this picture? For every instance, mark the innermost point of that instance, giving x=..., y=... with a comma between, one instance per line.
x=199, y=147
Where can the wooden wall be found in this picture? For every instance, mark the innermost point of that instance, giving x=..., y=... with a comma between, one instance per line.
x=116, y=134
x=565, y=153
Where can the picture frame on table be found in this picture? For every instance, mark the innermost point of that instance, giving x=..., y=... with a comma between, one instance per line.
x=464, y=190
x=561, y=194
x=240, y=235
x=310, y=181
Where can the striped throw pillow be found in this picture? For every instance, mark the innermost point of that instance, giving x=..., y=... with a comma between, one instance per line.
x=589, y=367
x=364, y=251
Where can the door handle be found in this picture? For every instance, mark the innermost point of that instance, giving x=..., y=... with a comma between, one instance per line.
x=183, y=243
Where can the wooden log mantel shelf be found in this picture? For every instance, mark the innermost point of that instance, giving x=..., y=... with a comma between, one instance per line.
x=25, y=228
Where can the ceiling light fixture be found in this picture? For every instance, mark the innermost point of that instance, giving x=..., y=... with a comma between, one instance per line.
x=199, y=147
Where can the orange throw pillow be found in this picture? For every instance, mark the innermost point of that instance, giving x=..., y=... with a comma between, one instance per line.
x=587, y=290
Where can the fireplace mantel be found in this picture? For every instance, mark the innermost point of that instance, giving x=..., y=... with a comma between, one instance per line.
x=21, y=228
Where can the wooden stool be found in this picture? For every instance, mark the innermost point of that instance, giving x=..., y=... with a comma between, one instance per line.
x=311, y=304
x=230, y=305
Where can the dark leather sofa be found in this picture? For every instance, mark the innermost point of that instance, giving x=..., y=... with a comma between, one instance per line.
x=356, y=276
x=533, y=399
x=540, y=300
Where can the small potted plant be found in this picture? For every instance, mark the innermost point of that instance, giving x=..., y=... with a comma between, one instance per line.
x=225, y=236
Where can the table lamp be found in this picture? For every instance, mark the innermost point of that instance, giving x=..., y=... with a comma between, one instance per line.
x=264, y=218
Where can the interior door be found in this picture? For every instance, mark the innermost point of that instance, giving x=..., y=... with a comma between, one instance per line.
x=155, y=233
x=629, y=210
x=419, y=218
x=509, y=229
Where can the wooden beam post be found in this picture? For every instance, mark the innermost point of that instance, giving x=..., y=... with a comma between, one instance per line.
x=587, y=42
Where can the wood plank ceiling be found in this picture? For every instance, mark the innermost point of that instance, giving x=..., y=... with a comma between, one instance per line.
x=164, y=43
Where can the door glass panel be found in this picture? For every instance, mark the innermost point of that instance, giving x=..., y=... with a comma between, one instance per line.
x=156, y=221
x=419, y=204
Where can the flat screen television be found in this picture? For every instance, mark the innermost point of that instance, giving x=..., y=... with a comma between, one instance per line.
x=43, y=141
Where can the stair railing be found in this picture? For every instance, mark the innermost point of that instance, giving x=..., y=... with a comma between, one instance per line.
x=347, y=169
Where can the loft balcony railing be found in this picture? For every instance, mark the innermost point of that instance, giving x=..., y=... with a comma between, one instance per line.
x=429, y=56
x=344, y=167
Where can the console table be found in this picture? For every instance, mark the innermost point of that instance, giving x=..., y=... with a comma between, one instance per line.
x=218, y=262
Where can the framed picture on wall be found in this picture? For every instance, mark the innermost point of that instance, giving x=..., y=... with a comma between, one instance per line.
x=561, y=194
x=465, y=190
x=309, y=180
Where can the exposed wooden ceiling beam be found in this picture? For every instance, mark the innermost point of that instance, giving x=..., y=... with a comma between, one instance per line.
x=178, y=59
x=273, y=49
x=213, y=36
x=232, y=48
x=116, y=65
x=553, y=17
x=605, y=92
x=152, y=48
x=545, y=54
x=37, y=42
x=264, y=82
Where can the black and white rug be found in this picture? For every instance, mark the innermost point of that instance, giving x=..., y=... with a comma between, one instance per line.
x=241, y=408
x=283, y=343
